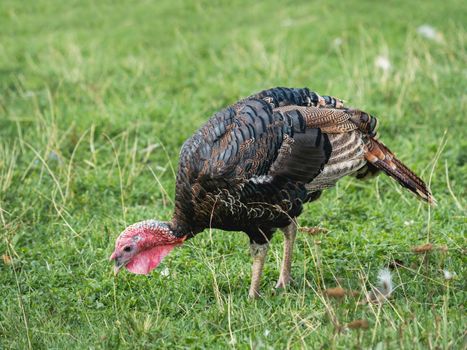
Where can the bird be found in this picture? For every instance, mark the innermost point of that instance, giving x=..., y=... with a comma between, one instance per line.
x=254, y=165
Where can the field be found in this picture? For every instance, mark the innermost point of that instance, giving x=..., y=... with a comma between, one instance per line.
x=96, y=99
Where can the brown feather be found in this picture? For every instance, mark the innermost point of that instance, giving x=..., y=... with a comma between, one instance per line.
x=382, y=158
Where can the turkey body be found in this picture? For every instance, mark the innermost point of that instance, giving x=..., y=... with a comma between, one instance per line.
x=254, y=164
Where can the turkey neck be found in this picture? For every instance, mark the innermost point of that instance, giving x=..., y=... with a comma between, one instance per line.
x=180, y=228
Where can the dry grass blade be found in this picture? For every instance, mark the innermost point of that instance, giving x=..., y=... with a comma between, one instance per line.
x=352, y=293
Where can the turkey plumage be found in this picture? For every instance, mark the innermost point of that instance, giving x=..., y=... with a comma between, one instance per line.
x=254, y=165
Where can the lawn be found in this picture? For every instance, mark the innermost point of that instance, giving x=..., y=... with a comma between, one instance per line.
x=96, y=99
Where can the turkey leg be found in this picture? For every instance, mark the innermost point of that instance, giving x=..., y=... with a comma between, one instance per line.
x=258, y=251
x=289, y=232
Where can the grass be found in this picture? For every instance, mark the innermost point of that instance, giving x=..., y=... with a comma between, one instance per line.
x=96, y=99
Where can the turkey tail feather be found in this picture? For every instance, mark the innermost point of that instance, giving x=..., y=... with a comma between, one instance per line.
x=382, y=158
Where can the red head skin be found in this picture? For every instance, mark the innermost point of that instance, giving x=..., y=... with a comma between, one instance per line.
x=142, y=246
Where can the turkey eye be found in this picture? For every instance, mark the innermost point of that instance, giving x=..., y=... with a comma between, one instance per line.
x=127, y=248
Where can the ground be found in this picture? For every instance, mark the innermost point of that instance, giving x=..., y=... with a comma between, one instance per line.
x=96, y=99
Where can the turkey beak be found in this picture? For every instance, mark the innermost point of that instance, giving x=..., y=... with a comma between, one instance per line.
x=118, y=265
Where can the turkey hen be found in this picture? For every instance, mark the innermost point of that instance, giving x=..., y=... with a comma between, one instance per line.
x=254, y=165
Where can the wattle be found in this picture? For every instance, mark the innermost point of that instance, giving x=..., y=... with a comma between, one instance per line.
x=146, y=261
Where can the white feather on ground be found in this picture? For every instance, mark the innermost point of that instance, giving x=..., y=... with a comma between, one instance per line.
x=448, y=275
x=384, y=289
x=429, y=32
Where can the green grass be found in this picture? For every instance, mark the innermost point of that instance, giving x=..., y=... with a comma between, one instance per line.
x=96, y=99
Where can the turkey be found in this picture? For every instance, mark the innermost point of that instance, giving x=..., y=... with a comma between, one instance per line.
x=254, y=165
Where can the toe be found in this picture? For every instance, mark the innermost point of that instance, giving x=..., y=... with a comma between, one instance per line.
x=281, y=283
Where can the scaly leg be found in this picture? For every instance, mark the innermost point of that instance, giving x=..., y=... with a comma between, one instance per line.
x=290, y=232
x=258, y=251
